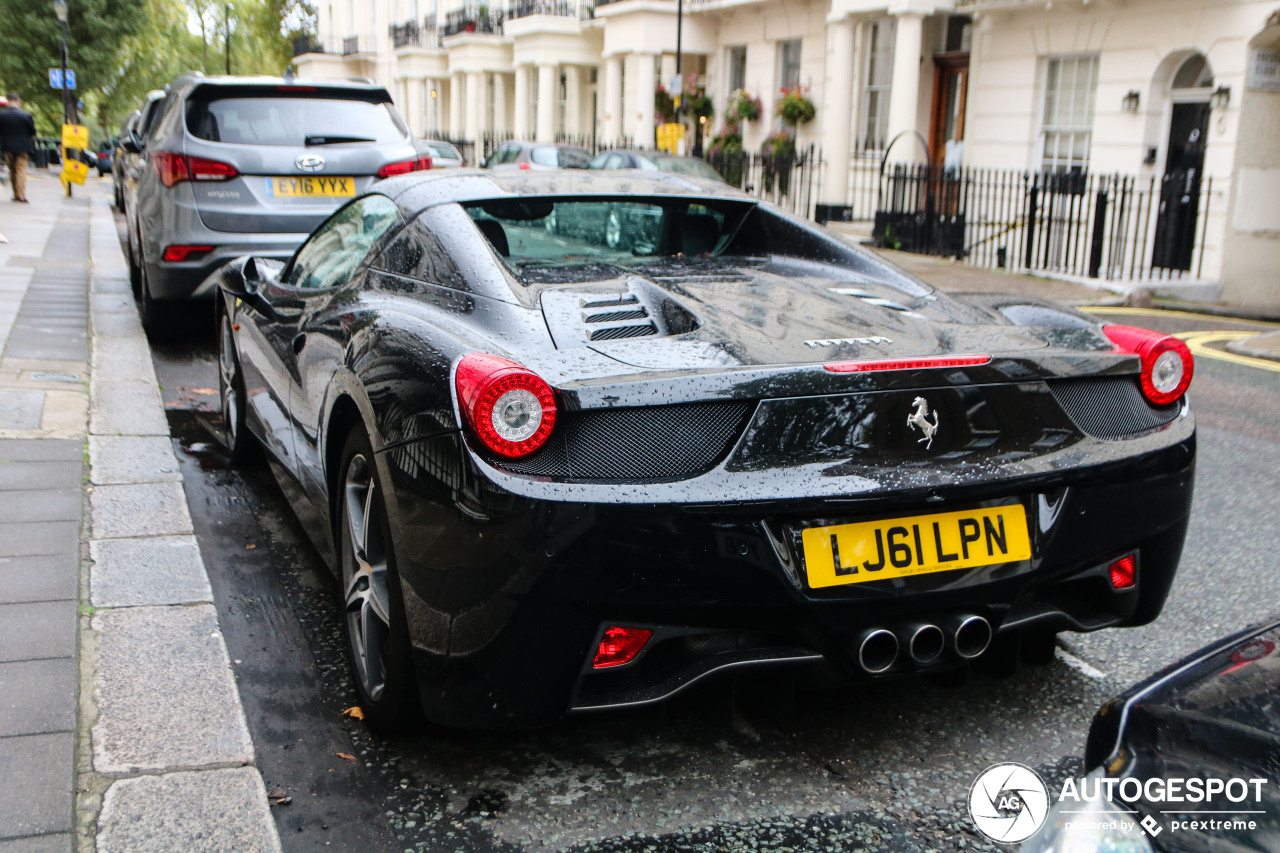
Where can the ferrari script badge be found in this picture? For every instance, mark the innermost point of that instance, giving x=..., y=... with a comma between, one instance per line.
x=920, y=418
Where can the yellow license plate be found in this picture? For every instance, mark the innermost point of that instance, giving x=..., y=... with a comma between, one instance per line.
x=918, y=545
x=311, y=186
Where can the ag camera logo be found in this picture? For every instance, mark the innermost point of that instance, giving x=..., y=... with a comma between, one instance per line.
x=1009, y=802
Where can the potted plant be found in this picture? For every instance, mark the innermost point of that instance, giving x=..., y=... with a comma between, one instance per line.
x=795, y=107
x=742, y=106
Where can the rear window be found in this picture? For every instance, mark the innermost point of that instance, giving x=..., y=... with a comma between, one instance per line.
x=294, y=120
x=686, y=166
x=448, y=152
x=566, y=158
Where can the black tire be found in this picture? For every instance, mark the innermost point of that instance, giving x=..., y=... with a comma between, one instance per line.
x=135, y=269
x=156, y=316
x=240, y=443
x=369, y=594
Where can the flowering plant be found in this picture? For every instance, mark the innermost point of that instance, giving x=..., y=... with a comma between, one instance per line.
x=664, y=106
x=795, y=107
x=742, y=106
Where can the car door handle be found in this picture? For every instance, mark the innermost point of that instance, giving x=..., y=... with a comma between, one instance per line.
x=299, y=341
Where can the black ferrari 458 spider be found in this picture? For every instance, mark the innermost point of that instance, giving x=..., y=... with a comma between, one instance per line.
x=562, y=469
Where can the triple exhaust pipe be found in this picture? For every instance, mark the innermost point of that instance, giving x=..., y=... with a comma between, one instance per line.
x=967, y=636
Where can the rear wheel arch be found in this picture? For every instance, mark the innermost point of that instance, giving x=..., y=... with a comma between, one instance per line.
x=344, y=416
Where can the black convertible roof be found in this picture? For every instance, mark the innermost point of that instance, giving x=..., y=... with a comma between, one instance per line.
x=421, y=190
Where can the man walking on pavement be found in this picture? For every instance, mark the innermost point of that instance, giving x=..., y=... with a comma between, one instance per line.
x=17, y=141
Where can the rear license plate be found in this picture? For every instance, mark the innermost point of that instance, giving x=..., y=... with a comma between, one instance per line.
x=917, y=545
x=312, y=186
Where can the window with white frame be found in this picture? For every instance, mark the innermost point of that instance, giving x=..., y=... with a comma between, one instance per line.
x=737, y=67
x=877, y=85
x=788, y=63
x=1070, y=84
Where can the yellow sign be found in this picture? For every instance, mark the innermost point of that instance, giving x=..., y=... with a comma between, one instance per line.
x=922, y=544
x=74, y=171
x=75, y=136
x=669, y=137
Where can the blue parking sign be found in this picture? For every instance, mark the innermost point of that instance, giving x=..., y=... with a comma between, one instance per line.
x=55, y=78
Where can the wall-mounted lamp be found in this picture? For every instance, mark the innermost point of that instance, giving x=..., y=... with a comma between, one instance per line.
x=433, y=93
x=1220, y=98
x=1130, y=101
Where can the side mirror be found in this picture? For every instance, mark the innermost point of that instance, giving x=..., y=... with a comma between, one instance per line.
x=131, y=144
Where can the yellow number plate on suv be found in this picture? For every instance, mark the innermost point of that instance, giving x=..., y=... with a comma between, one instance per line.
x=311, y=186
x=918, y=545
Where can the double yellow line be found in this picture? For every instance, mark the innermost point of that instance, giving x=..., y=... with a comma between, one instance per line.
x=1200, y=342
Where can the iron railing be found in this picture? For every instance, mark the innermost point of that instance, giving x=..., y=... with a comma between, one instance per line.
x=358, y=44
x=415, y=34
x=553, y=8
x=787, y=180
x=474, y=18
x=1108, y=226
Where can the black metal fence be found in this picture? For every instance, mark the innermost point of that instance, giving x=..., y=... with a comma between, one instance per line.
x=787, y=180
x=415, y=34
x=474, y=18
x=1072, y=223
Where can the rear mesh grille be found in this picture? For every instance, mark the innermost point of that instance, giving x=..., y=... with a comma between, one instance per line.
x=1110, y=407
x=613, y=333
x=653, y=443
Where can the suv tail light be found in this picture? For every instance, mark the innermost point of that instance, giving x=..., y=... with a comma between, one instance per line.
x=1167, y=365
x=173, y=168
x=177, y=254
x=508, y=407
x=619, y=645
x=404, y=167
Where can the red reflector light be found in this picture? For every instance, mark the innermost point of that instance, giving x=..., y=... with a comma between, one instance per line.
x=1167, y=366
x=184, y=253
x=525, y=165
x=620, y=645
x=175, y=168
x=905, y=363
x=509, y=408
x=1123, y=572
x=404, y=167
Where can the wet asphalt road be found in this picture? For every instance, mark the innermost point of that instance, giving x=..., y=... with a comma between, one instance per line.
x=756, y=767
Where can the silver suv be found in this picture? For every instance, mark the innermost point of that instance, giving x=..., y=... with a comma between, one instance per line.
x=249, y=166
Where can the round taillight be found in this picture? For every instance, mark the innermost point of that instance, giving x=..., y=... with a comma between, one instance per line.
x=1167, y=365
x=508, y=407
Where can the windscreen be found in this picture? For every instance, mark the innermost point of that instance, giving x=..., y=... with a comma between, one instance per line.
x=686, y=166
x=538, y=231
x=282, y=118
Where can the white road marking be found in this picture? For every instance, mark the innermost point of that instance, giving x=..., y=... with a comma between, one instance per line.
x=1079, y=665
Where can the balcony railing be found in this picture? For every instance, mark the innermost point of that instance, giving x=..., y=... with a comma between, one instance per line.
x=474, y=18
x=358, y=44
x=554, y=8
x=415, y=34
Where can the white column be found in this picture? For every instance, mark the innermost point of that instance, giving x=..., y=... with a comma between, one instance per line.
x=499, y=103
x=836, y=128
x=522, y=102
x=904, y=98
x=573, y=100
x=546, y=118
x=613, y=99
x=646, y=68
x=476, y=95
x=455, y=106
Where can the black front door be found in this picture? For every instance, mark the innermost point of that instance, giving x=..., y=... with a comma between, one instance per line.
x=1175, y=237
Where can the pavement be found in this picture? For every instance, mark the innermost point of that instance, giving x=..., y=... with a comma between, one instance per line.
x=121, y=728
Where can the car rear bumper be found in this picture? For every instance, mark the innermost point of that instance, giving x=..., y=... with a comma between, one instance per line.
x=507, y=597
x=176, y=281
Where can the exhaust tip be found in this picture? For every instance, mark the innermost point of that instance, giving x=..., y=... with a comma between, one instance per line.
x=926, y=644
x=877, y=651
x=972, y=637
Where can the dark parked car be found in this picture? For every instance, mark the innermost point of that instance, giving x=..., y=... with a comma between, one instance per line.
x=557, y=476
x=1183, y=753
x=250, y=165
x=654, y=161
x=444, y=155
x=103, y=157
x=538, y=156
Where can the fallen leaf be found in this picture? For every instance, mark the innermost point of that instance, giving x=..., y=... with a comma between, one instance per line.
x=276, y=793
x=203, y=391
x=250, y=547
x=348, y=757
x=354, y=713
x=284, y=801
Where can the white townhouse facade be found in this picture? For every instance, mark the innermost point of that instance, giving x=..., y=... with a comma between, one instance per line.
x=1170, y=93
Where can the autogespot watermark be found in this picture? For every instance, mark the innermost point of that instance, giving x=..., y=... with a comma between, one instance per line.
x=1010, y=802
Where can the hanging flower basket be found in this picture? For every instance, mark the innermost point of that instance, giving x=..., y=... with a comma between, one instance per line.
x=794, y=107
x=743, y=107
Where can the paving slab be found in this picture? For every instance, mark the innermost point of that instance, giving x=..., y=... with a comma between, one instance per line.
x=115, y=459
x=37, y=780
x=123, y=358
x=50, y=577
x=20, y=409
x=153, y=571
x=62, y=842
x=45, y=537
x=37, y=630
x=215, y=811
x=126, y=408
x=108, y=303
x=38, y=504
x=145, y=509
x=115, y=325
x=37, y=475
x=40, y=450
x=34, y=694
x=164, y=691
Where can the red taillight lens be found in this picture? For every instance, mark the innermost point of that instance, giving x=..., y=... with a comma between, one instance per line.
x=1123, y=572
x=184, y=253
x=404, y=167
x=510, y=408
x=620, y=645
x=175, y=168
x=525, y=165
x=1167, y=365
x=906, y=363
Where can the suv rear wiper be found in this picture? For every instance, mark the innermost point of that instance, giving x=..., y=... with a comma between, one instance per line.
x=335, y=140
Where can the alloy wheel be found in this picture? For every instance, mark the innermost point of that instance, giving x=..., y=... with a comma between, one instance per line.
x=365, y=594
x=228, y=376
